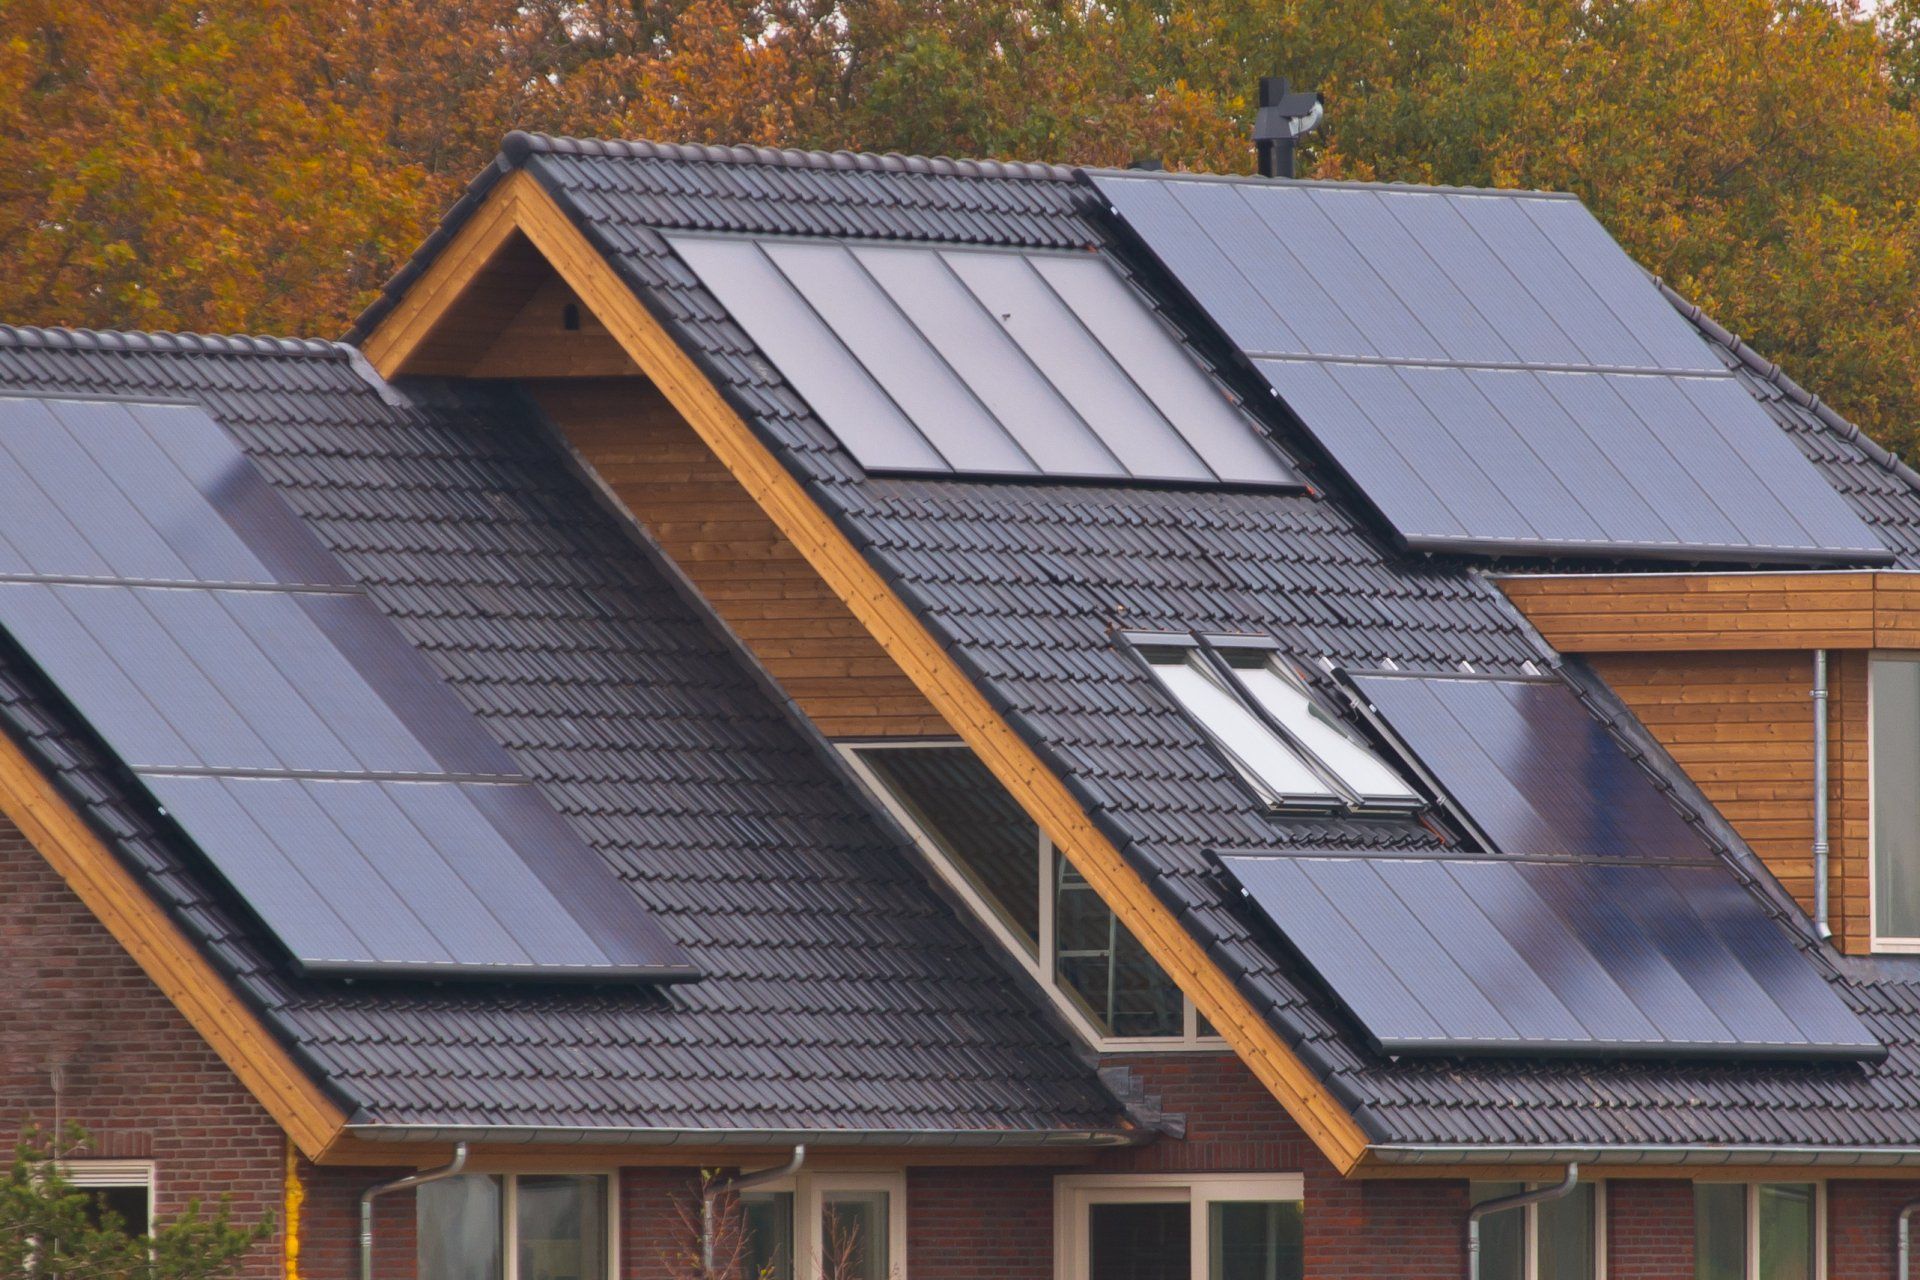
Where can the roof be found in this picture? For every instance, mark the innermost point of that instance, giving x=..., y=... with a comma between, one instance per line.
x=1025, y=584
x=841, y=993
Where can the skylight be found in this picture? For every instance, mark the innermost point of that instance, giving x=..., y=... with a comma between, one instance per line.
x=1280, y=694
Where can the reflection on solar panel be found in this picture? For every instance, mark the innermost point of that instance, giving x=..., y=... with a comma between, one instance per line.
x=970, y=362
x=1504, y=955
x=321, y=765
x=1492, y=371
x=1528, y=766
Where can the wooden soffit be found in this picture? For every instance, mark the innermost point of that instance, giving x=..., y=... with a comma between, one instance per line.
x=520, y=206
x=1655, y=612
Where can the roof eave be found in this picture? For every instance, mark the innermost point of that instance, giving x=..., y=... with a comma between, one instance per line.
x=1685, y=1155
x=596, y=1135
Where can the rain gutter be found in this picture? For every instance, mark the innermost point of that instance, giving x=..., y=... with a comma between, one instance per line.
x=1704, y=1154
x=595, y=1135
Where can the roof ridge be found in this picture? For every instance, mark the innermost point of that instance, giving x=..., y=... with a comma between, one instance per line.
x=518, y=145
x=168, y=341
x=1829, y=417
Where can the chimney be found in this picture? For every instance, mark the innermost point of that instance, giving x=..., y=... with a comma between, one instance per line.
x=1284, y=116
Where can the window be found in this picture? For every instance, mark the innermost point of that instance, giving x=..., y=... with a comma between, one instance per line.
x=1200, y=1227
x=987, y=848
x=1259, y=713
x=837, y=1226
x=515, y=1227
x=1553, y=1240
x=120, y=1191
x=1894, y=730
x=1759, y=1230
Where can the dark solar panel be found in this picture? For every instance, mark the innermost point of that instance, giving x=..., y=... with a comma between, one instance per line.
x=315, y=758
x=1505, y=955
x=1492, y=371
x=989, y=363
x=1528, y=766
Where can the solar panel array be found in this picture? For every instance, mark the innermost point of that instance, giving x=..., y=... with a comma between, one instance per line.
x=982, y=363
x=1492, y=371
x=1528, y=766
x=324, y=768
x=1502, y=955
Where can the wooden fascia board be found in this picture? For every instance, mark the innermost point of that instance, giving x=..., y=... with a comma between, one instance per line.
x=1374, y=1168
x=168, y=957
x=521, y=203
x=560, y=1157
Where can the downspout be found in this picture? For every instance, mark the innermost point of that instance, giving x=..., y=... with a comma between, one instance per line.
x=448, y=1170
x=1820, y=846
x=1517, y=1201
x=736, y=1185
x=1905, y=1238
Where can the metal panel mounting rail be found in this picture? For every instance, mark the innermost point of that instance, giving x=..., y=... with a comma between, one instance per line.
x=1491, y=370
x=322, y=766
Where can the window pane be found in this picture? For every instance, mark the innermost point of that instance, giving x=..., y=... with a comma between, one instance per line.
x=1140, y=1241
x=853, y=1235
x=1503, y=1235
x=459, y=1228
x=1719, y=1231
x=1270, y=762
x=961, y=806
x=1786, y=1230
x=1896, y=798
x=562, y=1226
x=1565, y=1242
x=1102, y=963
x=767, y=1221
x=1254, y=1240
x=126, y=1207
x=1349, y=758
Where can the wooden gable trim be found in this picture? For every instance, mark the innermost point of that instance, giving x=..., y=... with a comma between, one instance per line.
x=1663, y=612
x=167, y=956
x=520, y=203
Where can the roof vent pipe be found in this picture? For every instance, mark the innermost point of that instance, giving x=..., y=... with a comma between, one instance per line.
x=451, y=1169
x=1904, y=1238
x=1518, y=1201
x=1284, y=117
x=736, y=1185
x=1820, y=845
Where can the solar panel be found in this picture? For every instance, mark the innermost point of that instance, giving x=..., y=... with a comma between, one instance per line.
x=1528, y=766
x=280, y=720
x=1491, y=955
x=1492, y=371
x=969, y=362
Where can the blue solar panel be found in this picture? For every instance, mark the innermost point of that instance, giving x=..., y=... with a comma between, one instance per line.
x=1496, y=955
x=969, y=362
x=1492, y=371
x=1528, y=766
x=286, y=727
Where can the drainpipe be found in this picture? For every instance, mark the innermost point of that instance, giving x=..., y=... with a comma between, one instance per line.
x=736, y=1185
x=1906, y=1237
x=1516, y=1201
x=1820, y=846
x=448, y=1170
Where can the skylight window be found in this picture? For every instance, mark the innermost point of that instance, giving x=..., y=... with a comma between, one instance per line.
x=1292, y=750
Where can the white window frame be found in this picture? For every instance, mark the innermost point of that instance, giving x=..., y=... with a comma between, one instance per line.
x=1890, y=945
x=809, y=1202
x=1530, y=1239
x=510, y=1212
x=1040, y=965
x=1075, y=1194
x=1753, y=1220
x=104, y=1175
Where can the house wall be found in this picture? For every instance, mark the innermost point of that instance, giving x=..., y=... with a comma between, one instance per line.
x=750, y=574
x=134, y=1073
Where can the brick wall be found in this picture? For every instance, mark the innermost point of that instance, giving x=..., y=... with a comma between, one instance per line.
x=135, y=1073
x=1649, y=1230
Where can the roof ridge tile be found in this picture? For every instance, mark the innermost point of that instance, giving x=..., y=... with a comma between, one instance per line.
x=58, y=338
x=519, y=145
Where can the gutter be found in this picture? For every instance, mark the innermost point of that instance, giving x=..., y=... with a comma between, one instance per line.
x=522, y=1135
x=1701, y=1154
x=1821, y=848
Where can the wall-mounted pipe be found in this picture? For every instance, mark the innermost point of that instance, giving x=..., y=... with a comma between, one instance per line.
x=1820, y=845
x=742, y=1182
x=1519, y=1200
x=1904, y=1237
x=367, y=1197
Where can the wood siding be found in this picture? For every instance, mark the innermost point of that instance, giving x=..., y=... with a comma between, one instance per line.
x=1741, y=724
x=752, y=575
x=1638, y=613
